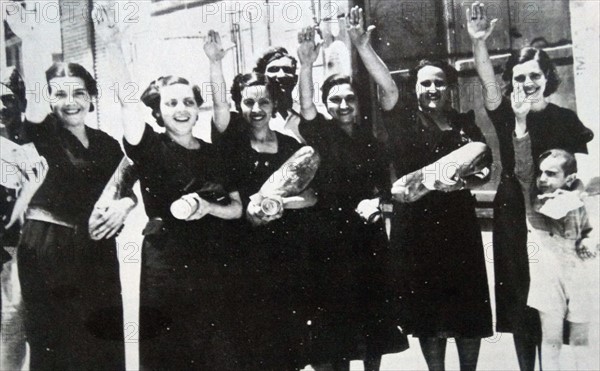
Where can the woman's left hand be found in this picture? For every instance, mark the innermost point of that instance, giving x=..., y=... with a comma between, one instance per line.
x=354, y=26
x=203, y=209
x=108, y=217
x=213, y=47
x=106, y=26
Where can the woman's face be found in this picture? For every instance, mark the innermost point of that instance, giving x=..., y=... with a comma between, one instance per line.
x=257, y=105
x=342, y=103
x=69, y=99
x=178, y=109
x=530, y=78
x=432, y=89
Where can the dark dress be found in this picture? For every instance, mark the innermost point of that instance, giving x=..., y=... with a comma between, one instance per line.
x=554, y=127
x=270, y=273
x=185, y=264
x=442, y=278
x=69, y=283
x=347, y=256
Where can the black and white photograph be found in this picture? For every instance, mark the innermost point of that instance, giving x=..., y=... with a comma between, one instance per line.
x=310, y=185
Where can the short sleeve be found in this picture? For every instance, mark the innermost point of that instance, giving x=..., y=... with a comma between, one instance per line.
x=233, y=132
x=314, y=132
x=144, y=151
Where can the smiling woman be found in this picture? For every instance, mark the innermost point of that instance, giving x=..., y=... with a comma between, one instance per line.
x=523, y=112
x=70, y=282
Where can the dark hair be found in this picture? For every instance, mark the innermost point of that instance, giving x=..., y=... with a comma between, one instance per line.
x=151, y=96
x=271, y=55
x=242, y=81
x=11, y=78
x=335, y=80
x=449, y=71
x=531, y=54
x=569, y=165
x=541, y=40
x=62, y=69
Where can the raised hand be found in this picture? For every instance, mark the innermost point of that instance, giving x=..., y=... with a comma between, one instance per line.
x=308, y=49
x=477, y=23
x=354, y=26
x=519, y=102
x=213, y=47
x=15, y=16
x=106, y=27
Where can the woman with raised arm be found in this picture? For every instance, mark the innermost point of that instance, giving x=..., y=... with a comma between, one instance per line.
x=69, y=269
x=271, y=276
x=522, y=110
x=349, y=252
x=187, y=249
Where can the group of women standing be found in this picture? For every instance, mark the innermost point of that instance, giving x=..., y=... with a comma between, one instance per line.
x=233, y=287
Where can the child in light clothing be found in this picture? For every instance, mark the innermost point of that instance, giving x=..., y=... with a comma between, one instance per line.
x=563, y=245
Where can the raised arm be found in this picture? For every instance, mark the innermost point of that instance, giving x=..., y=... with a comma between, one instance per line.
x=215, y=53
x=308, y=52
x=479, y=30
x=107, y=29
x=37, y=56
x=361, y=39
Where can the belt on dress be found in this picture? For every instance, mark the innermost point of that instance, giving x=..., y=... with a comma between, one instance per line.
x=45, y=216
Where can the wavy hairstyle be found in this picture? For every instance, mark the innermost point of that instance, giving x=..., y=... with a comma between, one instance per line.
x=271, y=55
x=243, y=81
x=151, y=96
x=531, y=54
x=333, y=81
x=63, y=69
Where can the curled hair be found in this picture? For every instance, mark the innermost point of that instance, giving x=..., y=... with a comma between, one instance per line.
x=335, y=80
x=531, y=54
x=242, y=81
x=271, y=55
x=62, y=69
x=449, y=71
x=151, y=96
x=569, y=165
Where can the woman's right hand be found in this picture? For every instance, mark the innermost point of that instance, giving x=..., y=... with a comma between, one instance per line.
x=409, y=188
x=308, y=49
x=477, y=23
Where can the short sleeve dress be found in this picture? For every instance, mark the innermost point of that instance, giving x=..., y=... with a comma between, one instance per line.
x=69, y=283
x=442, y=282
x=553, y=127
x=347, y=255
x=185, y=264
x=270, y=269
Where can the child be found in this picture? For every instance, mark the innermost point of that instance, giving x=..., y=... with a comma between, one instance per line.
x=562, y=245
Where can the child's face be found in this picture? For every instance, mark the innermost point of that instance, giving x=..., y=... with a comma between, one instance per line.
x=552, y=176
